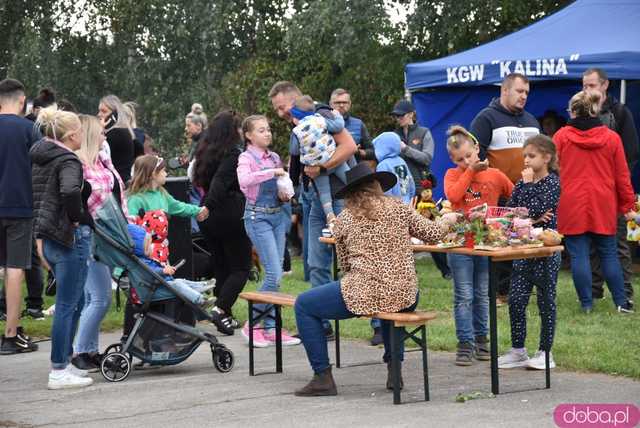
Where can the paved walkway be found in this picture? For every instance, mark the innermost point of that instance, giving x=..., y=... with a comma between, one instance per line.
x=195, y=394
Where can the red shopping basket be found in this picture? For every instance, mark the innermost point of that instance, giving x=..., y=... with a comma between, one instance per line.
x=497, y=212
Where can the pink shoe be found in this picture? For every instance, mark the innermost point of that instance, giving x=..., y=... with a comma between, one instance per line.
x=259, y=340
x=287, y=339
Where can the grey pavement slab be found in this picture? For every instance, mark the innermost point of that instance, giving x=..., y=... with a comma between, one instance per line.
x=195, y=394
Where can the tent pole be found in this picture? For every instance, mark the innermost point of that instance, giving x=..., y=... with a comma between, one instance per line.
x=623, y=91
x=407, y=92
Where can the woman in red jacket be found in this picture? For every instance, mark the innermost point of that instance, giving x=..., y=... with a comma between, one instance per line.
x=596, y=187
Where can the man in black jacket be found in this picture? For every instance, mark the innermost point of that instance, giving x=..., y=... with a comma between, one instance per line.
x=16, y=209
x=617, y=117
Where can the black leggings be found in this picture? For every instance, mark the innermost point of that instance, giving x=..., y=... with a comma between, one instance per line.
x=231, y=266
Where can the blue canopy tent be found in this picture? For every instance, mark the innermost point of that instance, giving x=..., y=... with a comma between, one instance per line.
x=553, y=53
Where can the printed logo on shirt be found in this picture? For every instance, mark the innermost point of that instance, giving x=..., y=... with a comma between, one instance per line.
x=402, y=172
x=511, y=137
x=416, y=141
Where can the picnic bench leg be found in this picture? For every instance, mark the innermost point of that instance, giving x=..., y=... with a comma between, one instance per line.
x=547, y=369
x=278, y=338
x=396, y=340
x=337, y=340
x=493, y=325
x=425, y=368
x=251, y=368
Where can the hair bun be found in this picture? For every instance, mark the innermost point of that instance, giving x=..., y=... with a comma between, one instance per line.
x=47, y=115
x=47, y=96
x=196, y=108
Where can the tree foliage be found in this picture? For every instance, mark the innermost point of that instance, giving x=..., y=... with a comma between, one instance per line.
x=167, y=54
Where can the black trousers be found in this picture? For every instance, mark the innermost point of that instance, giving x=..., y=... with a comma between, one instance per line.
x=624, y=254
x=35, y=284
x=440, y=260
x=231, y=265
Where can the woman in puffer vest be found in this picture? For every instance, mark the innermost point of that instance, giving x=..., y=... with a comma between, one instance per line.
x=63, y=233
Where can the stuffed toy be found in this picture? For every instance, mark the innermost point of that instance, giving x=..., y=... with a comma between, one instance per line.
x=425, y=206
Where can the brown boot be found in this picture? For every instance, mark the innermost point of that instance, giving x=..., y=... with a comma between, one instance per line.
x=321, y=384
x=390, y=377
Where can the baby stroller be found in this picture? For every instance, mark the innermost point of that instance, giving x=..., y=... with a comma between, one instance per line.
x=158, y=337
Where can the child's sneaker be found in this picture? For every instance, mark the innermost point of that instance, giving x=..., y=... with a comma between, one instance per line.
x=209, y=285
x=65, y=379
x=464, y=354
x=537, y=361
x=482, y=350
x=258, y=337
x=512, y=359
x=208, y=304
x=287, y=339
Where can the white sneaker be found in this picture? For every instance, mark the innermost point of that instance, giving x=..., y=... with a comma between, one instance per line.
x=513, y=359
x=76, y=371
x=208, y=285
x=64, y=379
x=537, y=361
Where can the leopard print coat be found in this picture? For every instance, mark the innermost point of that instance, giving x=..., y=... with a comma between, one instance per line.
x=376, y=257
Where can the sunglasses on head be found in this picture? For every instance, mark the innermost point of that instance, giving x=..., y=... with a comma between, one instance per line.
x=159, y=162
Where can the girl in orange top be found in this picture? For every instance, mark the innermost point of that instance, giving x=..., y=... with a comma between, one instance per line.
x=470, y=184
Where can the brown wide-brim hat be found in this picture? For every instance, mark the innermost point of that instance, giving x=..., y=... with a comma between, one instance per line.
x=361, y=173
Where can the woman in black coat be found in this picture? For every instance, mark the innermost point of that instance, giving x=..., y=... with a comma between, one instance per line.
x=119, y=134
x=215, y=173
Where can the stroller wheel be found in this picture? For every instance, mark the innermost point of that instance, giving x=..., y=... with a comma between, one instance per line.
x=116, y=347
x=222, y=359
x=115, y=367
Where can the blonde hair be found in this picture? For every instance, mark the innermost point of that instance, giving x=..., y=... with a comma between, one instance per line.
x=143, y=169
x=197, y=116
x=114, y=104
x=361, y=200
x=457, y=135
x=544, y=145
x=305, y=103
x=248, y=124
x=130, y=111
x=92, y=140
x=57, y=124
x=585, y=104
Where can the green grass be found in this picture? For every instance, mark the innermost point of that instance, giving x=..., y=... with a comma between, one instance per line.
x=603, y=341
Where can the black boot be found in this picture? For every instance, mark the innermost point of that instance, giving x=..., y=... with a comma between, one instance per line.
x=390, y=376
x=321, y=384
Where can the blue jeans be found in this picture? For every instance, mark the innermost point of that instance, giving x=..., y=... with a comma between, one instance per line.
x=326, y=302
x=267, y=234
x=97, y=299
x=191, y=290
x=578, y=247
x=305, y=201
x=323, y=185
x=470, y=295
x=194, y=199
x=319, y=255
x=70, y=266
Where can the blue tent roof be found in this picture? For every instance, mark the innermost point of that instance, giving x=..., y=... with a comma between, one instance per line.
x=585, y=34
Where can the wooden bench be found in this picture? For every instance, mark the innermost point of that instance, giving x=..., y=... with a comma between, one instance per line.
x=417, y=320
x=277, y=300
